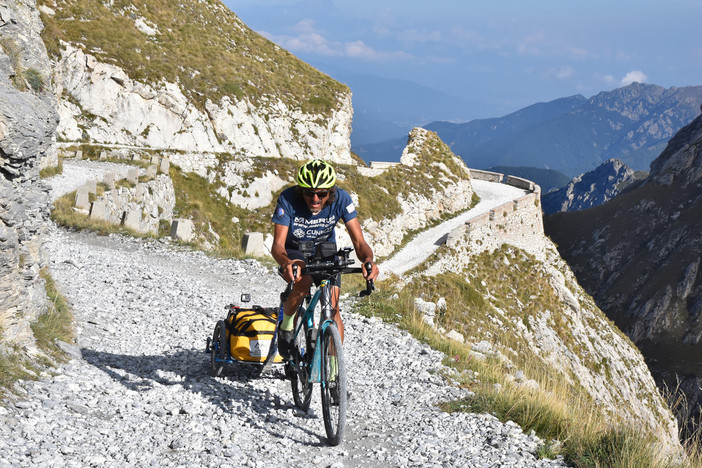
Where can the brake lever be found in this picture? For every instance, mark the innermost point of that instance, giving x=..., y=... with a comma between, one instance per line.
x=370, y=285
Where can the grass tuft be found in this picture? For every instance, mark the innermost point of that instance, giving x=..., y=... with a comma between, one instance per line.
x=55, y=324
x=52, y=171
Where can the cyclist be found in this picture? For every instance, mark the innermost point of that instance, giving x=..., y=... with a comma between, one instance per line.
x=309, y=211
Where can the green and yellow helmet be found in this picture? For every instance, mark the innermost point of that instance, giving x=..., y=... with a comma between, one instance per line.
x=316, y=174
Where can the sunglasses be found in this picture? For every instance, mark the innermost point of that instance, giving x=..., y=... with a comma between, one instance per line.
x=320, y=193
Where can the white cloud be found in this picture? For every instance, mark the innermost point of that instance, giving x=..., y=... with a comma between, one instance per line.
x=532, y=44
x=358, y=49
x=306, y=38
x=609, y=80
x=634, y=76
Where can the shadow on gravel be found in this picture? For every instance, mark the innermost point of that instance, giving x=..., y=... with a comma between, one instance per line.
x=189, y=369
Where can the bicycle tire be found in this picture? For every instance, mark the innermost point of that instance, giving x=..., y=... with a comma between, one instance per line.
x=301, y=386
x=218, y=348
x=333, y=387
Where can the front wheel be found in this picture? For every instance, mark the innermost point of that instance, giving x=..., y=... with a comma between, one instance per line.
x=334, y=396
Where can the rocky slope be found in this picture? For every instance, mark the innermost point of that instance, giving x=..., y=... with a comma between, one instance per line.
x=544, y=318
x=138, y=392
x=429, y=184
x=639, y=256
x=590, y=189
x=27, y=124
x=110, y=96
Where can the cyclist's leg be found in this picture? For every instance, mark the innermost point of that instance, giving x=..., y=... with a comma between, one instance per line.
x=336, y=312
x=300, y=289
x=290, y=307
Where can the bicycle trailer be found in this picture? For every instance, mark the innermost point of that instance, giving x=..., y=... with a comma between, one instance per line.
x=251, y=333
x=247, y=335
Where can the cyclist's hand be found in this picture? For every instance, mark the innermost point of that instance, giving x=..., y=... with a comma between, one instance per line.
x=292, y=275
x=373, y=273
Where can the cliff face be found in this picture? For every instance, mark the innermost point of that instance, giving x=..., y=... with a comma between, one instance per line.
x=639, y=256
x=27, y=121
x=99, y=103
x=151, y=99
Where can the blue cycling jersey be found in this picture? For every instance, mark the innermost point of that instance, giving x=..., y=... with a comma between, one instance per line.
x=292, y=211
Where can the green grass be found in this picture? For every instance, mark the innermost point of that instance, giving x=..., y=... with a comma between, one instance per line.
x=201, y=45
x=14, y=366
x=52, y=170
x=56, y=323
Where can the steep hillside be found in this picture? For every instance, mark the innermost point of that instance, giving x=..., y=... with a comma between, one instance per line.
x=571, y=135
x=639, y=256
x=498, y=296
x=592, y=188
x=187, y=76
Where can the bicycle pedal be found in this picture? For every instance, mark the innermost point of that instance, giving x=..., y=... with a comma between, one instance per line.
x=290, y=373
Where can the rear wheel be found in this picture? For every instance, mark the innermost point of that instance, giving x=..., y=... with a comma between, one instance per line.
x=334, y=396
x=218, y=349
x=301, y=386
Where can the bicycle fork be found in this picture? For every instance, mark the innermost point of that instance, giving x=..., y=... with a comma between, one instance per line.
x=326, y=319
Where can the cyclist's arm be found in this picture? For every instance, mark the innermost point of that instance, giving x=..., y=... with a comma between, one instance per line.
x=279, y=253
x=363, y=250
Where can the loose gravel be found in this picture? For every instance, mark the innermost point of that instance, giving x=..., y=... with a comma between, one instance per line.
x=138, y=391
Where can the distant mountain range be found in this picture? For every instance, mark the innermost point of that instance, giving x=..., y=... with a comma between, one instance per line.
x=388, y=106
x=572, y=135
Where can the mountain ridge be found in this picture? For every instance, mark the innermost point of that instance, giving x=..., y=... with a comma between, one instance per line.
x=632, y=123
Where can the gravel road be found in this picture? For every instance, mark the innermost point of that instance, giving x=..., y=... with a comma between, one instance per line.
x=492, y=194
x=138, y=390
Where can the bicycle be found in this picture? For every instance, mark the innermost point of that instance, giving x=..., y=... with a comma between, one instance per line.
x=318, y=356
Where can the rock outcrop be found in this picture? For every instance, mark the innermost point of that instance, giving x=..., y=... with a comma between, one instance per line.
x=100, y=103
x=445, y=189
x=590, y=189
x=28, y=119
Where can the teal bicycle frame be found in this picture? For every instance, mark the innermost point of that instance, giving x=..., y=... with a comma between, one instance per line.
x=306, y=322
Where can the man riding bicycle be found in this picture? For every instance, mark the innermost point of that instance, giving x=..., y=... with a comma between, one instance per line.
x=309, y=211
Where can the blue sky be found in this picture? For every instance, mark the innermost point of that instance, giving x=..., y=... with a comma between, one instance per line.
x=506, y=54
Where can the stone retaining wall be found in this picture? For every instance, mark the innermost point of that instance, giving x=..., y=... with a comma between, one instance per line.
x=486, y=175
x=518, y=222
